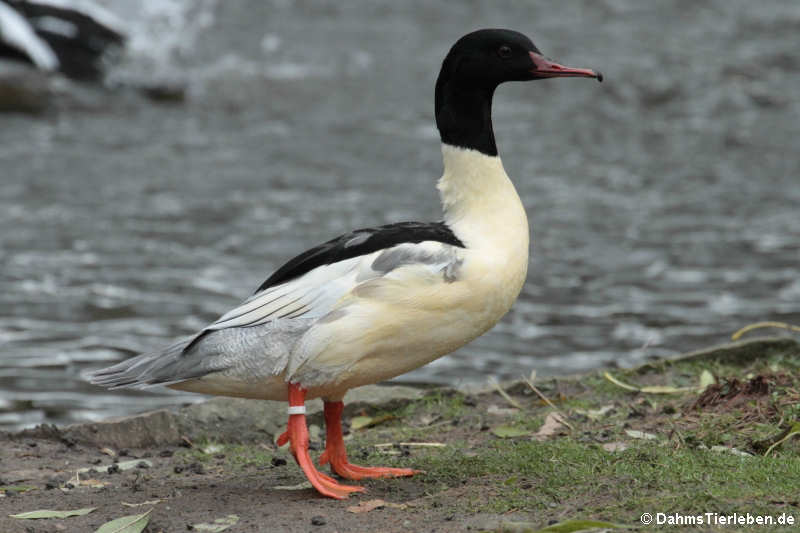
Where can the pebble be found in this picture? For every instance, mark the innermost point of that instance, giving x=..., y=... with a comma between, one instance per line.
x=318, y=521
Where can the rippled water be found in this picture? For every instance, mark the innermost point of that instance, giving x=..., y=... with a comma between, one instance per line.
x=664, y=202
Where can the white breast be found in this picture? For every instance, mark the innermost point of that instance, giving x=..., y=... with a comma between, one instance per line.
x=394, y=324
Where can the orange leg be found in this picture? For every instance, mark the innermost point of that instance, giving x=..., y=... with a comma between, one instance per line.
x=336, y=454
x=297, y=435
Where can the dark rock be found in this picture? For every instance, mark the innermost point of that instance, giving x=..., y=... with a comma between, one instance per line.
x=318, y=520
x=278, y=461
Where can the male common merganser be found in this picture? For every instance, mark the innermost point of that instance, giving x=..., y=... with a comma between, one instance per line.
x=375, y=303
x=68, y=36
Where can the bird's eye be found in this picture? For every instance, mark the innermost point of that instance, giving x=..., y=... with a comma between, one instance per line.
x=504, y=51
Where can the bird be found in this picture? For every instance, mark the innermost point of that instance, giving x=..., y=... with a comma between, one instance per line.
x=72, y=37
x=375, y=303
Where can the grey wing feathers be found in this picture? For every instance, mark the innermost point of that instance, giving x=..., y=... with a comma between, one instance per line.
x=150, y=368
x=262, y=350
x=163, y=367
x=258, y=336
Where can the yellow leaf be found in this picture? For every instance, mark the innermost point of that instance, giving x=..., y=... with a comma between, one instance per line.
x=361, y=422
x=652, y=389
x=706, y=379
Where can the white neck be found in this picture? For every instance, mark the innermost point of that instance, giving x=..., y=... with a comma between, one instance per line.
x=480, y=203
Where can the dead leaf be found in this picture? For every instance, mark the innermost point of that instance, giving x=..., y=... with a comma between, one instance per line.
x=652, y=389
x=370, y=505
x=427, y=420
x=218, y=525
x=596, y=414
x=731, y=450
x=129, y=465
x=299, y=486
x=126, y=524
x=108, y=451
x=706, y=379
x=553, y=424
x=211, y=449
x=148, y=502
x=361, y=422
x=615, y=446
x=636, y=434
x=93, y=483
x=48, y=513
x=501, y=411
x=365, y=507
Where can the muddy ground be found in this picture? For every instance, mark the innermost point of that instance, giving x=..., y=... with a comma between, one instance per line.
x=714, y=434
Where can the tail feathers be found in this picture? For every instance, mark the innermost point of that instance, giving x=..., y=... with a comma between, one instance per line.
x=149, y=369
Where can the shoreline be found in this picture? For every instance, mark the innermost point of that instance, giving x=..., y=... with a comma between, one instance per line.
x=582, y=447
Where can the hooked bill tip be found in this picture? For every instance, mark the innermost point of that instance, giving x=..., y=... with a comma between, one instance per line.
x=599, y=75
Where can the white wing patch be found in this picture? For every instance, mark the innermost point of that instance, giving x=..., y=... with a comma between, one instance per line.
x=318, y=292
x=16, y=32
x=93, y=10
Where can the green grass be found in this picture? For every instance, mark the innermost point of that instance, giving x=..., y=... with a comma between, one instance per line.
x=616, y=486
x=571, y=475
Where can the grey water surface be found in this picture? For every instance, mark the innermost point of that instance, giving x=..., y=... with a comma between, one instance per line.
x=664, y=203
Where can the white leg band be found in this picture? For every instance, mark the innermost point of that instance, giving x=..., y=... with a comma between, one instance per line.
x=296, y=410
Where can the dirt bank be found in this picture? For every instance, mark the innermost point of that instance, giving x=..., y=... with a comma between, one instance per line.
x=711, y=432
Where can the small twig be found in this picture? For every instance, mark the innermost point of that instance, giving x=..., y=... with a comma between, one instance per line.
x=493, y=382
x=758, y=325
x=792, y=432
x=548, y=402
x=539, y=393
